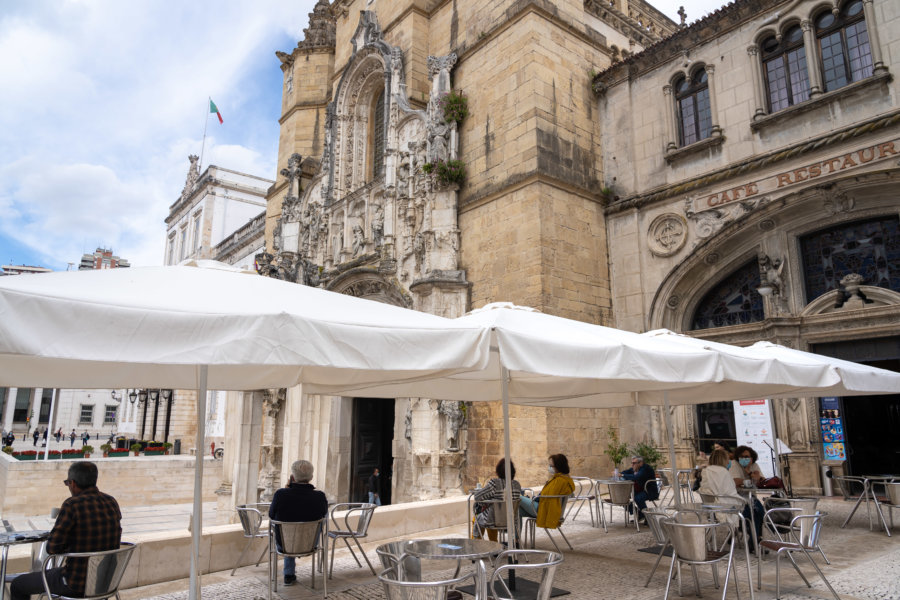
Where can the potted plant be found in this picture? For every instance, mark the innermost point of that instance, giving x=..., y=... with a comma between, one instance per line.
x=73, y=452
x=105, y=448
x=615, y=450
x=8, y=450
x=86, y=450
x=114, y=452
x=136, y=448
x=55, y=455
x=167, y=446
x=154, y=449
x=25, y=455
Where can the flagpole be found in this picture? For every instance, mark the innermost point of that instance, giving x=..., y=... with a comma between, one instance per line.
x=205, y=124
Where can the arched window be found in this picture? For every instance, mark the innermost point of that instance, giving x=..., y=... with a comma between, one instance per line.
x=844, y=46
x=869, y=248
x=377, y=145
x=787, y=81
x=734, y=301
x=694, y=113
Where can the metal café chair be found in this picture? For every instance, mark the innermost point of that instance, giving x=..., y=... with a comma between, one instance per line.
x=893, y=498
x=363, y=512
x=529, y=524
x=621, y=493
x=539, y=562
x=252, y=517
x=389, y=554
x=655, y=517
x=297, y=539
x=690, y=546
x=584, y=493
x=498, y=508
x=804, y=535
x=398, y=587
x=104, y=572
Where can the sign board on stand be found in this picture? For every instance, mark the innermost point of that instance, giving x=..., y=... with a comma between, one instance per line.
x=753, y=425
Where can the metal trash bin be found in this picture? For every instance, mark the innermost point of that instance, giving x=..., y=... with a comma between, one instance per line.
x=176, y=449
x=827, y=489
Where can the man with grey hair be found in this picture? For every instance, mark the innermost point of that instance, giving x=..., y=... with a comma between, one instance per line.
x=299, y=501
x=644, y=479
x=88, y=521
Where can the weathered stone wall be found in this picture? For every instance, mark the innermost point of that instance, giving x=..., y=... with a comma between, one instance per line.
x=31, y=488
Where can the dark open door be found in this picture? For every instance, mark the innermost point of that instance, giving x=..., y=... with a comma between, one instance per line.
x=373, y=436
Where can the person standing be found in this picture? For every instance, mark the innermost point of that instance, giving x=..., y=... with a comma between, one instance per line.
x=85, y=438
x=72, y=437
x=88, y=521
x=374, y=487
x=36, y=435
x=299, y=501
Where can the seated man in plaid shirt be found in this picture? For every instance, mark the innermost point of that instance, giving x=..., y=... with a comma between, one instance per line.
x=89, y=521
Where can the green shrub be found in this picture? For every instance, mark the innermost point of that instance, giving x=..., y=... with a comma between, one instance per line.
x=615, y=450
x=455, y=106
x=648, y=452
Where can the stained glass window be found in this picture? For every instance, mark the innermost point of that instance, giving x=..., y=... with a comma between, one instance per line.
x=870, y=248
x=734, y=301
x=378, y=135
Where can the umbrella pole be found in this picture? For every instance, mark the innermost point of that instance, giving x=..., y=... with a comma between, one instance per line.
x=676, y=486
x=511, y=529
x=772, y=424
x=197, y=523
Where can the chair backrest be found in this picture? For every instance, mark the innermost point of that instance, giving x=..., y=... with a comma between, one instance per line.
x=850, y=486
x=104, y=569
x=251, y=518
x=584, y=487
x=654, y=517
x=689, y=540
x=620, y=491
x=707, y=498
x=362, y=511
x=298, y=537
x=806, y=529
x=539, y=562
x=499, y=509
x=397, y=587
x=389, y=554
x=807, y=506
x=893, y=493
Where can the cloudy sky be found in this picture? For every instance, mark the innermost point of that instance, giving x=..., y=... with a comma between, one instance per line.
x=101, y=102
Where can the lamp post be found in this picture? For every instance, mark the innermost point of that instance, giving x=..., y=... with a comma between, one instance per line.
x=143, y=398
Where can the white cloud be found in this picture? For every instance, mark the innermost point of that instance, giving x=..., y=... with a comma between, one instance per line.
x=102, y=101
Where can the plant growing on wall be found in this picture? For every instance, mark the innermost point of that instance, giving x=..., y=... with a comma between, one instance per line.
x=615, y=450
x=455, y=106
x=648, y=452
x=446, y=172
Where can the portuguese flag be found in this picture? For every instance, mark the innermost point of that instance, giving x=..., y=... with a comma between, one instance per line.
x=214, y=109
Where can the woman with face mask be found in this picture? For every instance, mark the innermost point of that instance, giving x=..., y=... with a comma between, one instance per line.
x=744, y=466
x=549, y=511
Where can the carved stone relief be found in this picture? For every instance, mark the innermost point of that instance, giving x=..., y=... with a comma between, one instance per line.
x=709, y=222
x=667, y=234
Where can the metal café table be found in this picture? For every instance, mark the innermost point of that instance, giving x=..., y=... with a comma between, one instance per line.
x=458, y=549
x=711, y=510
x=12, y=538
x=868, y=494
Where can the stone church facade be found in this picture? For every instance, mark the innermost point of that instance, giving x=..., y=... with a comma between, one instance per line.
x=581, y=196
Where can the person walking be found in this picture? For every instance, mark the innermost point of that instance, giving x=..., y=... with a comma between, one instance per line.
x=36, y=435
x=72, y=437
x=85, y=438
x=374, y=485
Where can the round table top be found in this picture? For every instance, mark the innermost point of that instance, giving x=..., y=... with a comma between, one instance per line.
x=453, y=548
x=708, y=507
x=11, y=538
x=614, y=481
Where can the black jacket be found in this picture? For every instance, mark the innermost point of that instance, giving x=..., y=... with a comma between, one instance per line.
x=644, y=480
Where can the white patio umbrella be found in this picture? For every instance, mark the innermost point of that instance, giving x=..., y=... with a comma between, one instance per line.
x=213, y=328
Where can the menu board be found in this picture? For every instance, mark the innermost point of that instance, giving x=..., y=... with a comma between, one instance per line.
x=754, y=428
x=833, y=438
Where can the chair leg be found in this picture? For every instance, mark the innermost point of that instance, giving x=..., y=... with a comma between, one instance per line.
x=552, y=540
x=662, y=551
x=241, y=557
x=696, y=581
x=822, y=575
x=565, y=538
x=371, y=568
x=331, y=566
x=669, y=578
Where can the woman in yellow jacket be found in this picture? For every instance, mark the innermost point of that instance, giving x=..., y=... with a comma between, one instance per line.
x=549, y=511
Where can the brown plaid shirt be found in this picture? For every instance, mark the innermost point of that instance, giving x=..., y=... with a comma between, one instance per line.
x=88, y=522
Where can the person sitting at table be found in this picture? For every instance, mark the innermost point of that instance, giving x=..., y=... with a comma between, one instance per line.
x=298, y=501
x=744, y=463
x=644, y=479
x=88, y=521
x=548, y=513
x=718, y=481
x=494, y=489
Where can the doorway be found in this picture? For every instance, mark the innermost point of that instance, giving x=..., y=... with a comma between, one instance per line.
x=373, y=437
x=715, y=423
x=870, y=423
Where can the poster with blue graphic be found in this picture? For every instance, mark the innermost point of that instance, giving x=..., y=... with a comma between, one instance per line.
x=833, y=438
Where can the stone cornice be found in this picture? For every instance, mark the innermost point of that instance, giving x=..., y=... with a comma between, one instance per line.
x=716, y=24
x=301, y=106
x=625, y=24
x=757, y=162
x=517, y=182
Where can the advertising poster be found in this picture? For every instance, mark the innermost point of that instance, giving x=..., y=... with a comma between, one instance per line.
x=833, y=438
x=754, y=428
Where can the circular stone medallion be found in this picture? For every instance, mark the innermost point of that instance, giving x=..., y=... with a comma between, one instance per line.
x=667, y=234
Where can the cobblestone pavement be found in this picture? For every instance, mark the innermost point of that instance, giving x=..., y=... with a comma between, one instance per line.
x=865, y=566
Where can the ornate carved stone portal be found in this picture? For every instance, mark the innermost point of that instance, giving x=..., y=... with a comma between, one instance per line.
x=372, y=223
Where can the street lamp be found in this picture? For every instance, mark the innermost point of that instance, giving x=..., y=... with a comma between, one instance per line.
x=143, y=398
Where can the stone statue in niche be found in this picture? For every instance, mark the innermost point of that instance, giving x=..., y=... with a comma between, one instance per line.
x=192, y=176
x=292, y=173
x=436, y=126
x=421, y=157
x=453, y=418
x=265, y=265
x=359, y=240
x=403, y=170
x=276, y=236
x=378, y=226
x=771, y=271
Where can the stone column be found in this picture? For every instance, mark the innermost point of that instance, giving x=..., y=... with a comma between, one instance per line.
x=874, y=45
x=11, y=395
x=715, y=129
x=758, y=82
x=812, y=58
x=671, y=135
x=37, y=397
x=240, y=469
